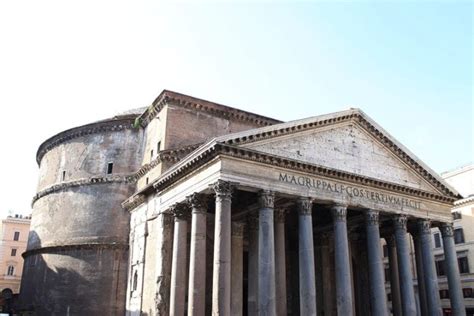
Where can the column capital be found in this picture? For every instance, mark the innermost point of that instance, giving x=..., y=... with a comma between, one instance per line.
x=447, y=230
x=305, y=206
x=238, y=229
x=167, y=219
x=198, y=202
x=266, y=199
x=279, y=215
x=400, y=222
x=339, y=212
x=180, y=211
x=372, y=217
x=222, y=188
x=424, y=226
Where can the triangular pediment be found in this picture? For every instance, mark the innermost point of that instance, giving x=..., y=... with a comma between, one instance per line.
x=348, y=141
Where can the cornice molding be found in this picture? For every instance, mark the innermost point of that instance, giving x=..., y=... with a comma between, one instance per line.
x=215, y=109
x=88, y=246
x=251, y=155
x=134, y=202
x=81, y=182
x=112, y=125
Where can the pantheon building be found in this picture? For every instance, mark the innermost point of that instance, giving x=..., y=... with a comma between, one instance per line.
x=189, y=207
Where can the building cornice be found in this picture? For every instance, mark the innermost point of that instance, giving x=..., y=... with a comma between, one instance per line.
x=112, y=125
x=465, y=201
x=215, y=149
x=82, y=182
x=215, y=109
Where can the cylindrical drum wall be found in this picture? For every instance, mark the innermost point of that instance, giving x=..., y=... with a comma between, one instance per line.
x=77, y=256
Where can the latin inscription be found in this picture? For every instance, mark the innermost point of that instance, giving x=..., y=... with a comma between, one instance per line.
x=350, y=191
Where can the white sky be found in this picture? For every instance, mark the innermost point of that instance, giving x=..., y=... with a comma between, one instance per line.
x=65, y=63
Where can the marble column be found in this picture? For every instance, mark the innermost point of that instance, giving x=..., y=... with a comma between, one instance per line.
x=430, y=276
x=280, y=262
x=452, y=270
x=394, y=276
x=378, y=297
x=179, y=261
x=163, y=266
x=306, y=257
x=221, y=280
x=266, y=255
x=420, y=273
x=342, y=261
x=252, y=294
x=328, y=285
x=404, y=269
x=237, y=272
x=197, y=262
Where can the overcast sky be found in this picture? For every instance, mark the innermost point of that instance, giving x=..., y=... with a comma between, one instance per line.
x=407, y=64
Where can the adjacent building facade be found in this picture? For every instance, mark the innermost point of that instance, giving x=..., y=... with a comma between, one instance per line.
x=14, y=236
x=192, y=207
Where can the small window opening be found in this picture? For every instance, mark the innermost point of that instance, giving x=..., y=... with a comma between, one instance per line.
x=135, y=281
x=63, y=176
x=110, y=167
x=13, y=254
x=16, y=236
x=11, y=270
x=158, y=147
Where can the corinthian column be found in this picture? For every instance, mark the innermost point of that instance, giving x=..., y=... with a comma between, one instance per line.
x=430, y=277
x=178, y=268
x=280, y=264
x=306, y=258
x=252, y=295
x=221, y=281
x=403, y=256
x=266, y=255
x=342, y=261
x=420, y=273
x=452, y=270
x=197, y=262
x=378, y=297
x=394, y=276
x=237, y=269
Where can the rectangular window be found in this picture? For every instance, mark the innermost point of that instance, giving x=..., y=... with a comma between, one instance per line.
x=463, y=264
x=468, y=292
x=444, y=294
x=63, y=176
x=457, y=215
x=158, y=147
x=458, y=236
x=110, y=167
x=440, y=267
x=16, y=236
x=13, y=253
x=437, y=240
x=385, y=251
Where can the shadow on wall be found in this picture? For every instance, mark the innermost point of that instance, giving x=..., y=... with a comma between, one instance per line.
x=46, y=285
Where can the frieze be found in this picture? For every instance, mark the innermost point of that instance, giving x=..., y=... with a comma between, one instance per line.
x=348, y=190
x=81, y=182
x=447, y=230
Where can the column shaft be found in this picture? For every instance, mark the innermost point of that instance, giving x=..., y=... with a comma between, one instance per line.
x=163, y=267
x=406, y=277
x=420, y=275
x=178, y=269
x=430, y=277
x=266, y=255
x=252, y=295
x=306, y=258
x=236, y=304
x=197, y=262
x=378, y=298
x=222, y=250
x=280, y=262
x=394, y=276
x=452, y=270
x=342, y=262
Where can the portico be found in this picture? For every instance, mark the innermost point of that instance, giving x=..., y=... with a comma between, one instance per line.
x=297, y=217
